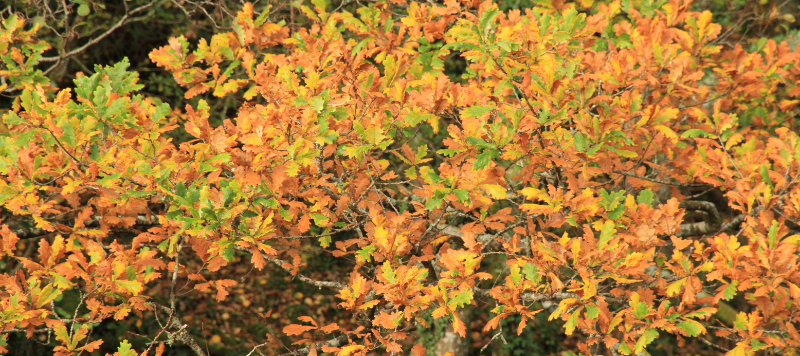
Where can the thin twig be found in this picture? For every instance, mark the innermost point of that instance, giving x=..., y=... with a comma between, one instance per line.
x=93, y=41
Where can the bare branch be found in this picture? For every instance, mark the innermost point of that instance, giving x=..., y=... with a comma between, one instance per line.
x=540, y=297
x=660, y=181
x=279, y=263
x=99, y=38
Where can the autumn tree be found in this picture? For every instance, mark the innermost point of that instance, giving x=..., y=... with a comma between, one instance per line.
x=615, y=167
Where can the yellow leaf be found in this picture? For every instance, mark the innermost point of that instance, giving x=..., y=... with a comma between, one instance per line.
x=495, y=191
x=576, y=250
x=666, y=131
x=564, y=239
x=368, y=305
x=739, y=350
x=733, y=140
x=675, y=287
x=627, y=154
x=349, y=350
x=614, y=322
x=71, y=186
x=532, y=193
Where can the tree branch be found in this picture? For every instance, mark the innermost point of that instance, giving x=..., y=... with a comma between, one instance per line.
x=93, y=41
x=660, y=181
x=279, y=263
x=181, y=334
x=539, y=297
x=335, y=342
x=35, y=232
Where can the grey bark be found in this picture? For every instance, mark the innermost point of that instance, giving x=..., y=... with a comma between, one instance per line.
x=452, y=342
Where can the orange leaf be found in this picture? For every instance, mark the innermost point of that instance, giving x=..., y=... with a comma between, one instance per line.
x=296, y=329
x=308, y=319
x=680, y=243
x=222, y=293
x=387, y=320
x=330, y=328
x=418, y=350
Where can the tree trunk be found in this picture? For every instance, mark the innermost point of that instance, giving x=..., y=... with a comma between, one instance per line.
x=452, y=342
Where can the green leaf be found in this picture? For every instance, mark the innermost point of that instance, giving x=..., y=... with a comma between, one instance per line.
x=761, y=43
x=422, y=151
x=62, y=282
x=515, y=276
x=691, y=133
x=606, y=234
x=317, y=103
x=365, y=253
x=617, y=212
x=357, y=47
x=691, y=328
x=730, y=291
x=641, y=310
x=487, y=19
x=220, y=158
x=47, y=294
x=415, y=118
x=531, y=273
x=626, y=153
x=411, y=173
x=83, y=10
x=479, y=143
x=460, y=299
x=476, y=111
x=673, y=316
x=592, y=311
x=12, y=118
x=450, y=152
x=645, y=197
x=374, y=135
x=107, y=180
x=433, y=203
x=580, y=142
x=647, y=338
x=61, y=333
x=125, y=349
x=572, y=321
x=298, y=101
x=388, y=273
x=231, y=67
x=228, y=254
x=462, y=195
x=624, y=349
x=481, y=160
x=765, y=176
x=701, y=313
x=773, y=234
x=261, y=19
x=325, y=241
x=319, y=219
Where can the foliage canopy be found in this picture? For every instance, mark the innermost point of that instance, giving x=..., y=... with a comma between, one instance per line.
x=616, y=169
